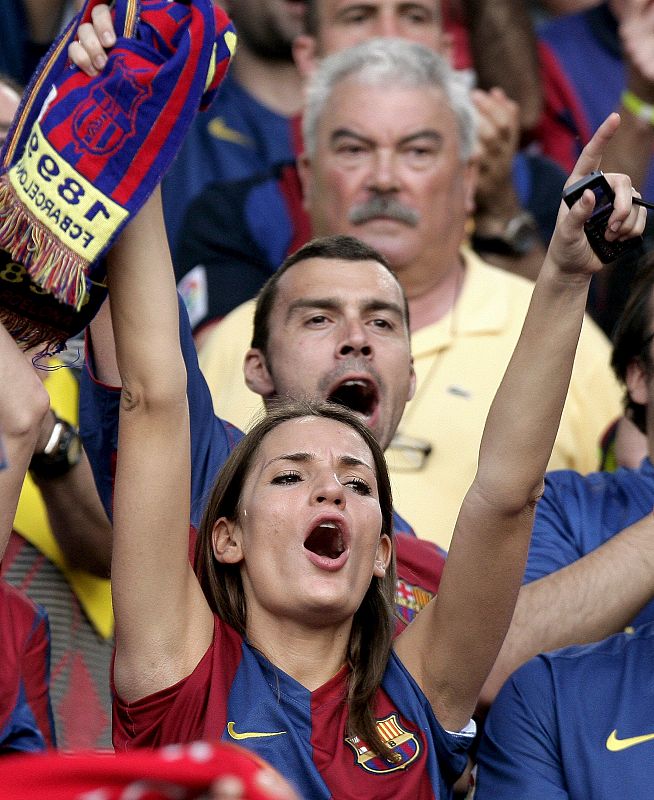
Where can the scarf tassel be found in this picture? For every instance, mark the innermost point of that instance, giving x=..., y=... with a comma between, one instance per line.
x=30, y=334
x=49, y=264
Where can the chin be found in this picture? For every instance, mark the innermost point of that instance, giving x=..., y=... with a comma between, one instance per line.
x=326, y=608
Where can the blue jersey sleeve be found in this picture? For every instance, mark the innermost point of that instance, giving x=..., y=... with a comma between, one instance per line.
x=212, y=439
x=553, y=540
x=519, y=753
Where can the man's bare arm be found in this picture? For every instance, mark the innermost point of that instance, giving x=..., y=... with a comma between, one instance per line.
x=75, y=513
x=504, y=53
x=592, y=598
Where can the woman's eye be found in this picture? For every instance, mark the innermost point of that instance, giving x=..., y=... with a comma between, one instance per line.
x=286, y=478
x=359, y=486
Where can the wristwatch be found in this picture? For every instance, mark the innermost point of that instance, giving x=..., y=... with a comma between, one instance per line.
x=61, y=453
x=519, y=238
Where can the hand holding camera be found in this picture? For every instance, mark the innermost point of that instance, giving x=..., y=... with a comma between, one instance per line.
x=595, y=227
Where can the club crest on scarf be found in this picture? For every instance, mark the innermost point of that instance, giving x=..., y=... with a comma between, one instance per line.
x=107, y=117
x=404, y=744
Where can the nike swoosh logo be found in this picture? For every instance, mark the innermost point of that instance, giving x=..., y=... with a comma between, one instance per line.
x=219, y=128
x=615, y=745
x=250, y=734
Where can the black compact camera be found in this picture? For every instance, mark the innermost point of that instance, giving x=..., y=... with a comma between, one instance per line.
x=596, y=225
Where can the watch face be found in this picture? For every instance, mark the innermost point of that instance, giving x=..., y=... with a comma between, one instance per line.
x=61, y=454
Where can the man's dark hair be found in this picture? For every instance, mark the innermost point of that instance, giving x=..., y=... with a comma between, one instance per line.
x=345, y=248
x=633, y=336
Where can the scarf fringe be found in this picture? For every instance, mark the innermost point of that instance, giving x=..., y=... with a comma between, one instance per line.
x=51, y=265
x=30, y=334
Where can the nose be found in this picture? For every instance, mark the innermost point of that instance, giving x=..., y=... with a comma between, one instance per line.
x=387, y=25
x=355, y=340
x=329, y=490
x=383, y=174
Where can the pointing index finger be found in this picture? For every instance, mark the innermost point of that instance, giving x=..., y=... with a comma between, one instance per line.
x=591, y=156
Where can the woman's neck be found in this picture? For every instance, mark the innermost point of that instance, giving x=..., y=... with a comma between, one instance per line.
x=308, y=654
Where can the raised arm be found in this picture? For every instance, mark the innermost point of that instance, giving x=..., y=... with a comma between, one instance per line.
x=451, y=646
x=211, y=437
x=163, y=623
x=588, y=600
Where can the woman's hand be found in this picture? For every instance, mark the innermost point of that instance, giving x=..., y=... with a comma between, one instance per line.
x=569, y=249
x=88, y=51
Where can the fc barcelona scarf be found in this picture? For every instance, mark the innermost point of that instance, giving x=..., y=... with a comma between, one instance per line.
x=84, y=154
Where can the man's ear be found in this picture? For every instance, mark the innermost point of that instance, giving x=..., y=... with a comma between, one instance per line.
x=412, y=382
x=304, y=54
x=637, y=382
x=226, y=541
x=256, y=373
x=383, y=556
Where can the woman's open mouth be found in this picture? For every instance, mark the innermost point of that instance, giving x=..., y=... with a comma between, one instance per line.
x=327, y=545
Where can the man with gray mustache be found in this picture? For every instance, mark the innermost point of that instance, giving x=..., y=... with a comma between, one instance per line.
x=383, y=206
x=390, y=158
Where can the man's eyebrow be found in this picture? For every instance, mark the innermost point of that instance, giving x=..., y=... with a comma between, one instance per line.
x=383, y=305
x=347, y=133
x=302, y=303
x=427, y=133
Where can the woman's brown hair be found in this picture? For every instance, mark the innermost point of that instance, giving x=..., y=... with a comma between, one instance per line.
x=373, y=624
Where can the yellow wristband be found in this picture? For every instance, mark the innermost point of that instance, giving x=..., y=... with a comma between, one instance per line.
x=639, y=108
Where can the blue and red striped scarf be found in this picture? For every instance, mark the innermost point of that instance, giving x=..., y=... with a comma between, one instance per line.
x=85, y=153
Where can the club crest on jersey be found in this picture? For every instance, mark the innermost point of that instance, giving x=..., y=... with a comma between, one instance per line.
x=107, y=117
x=403, y=743
x=409, y=600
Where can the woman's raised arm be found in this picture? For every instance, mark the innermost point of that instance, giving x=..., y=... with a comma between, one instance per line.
x=163, y=623
x=451, y=646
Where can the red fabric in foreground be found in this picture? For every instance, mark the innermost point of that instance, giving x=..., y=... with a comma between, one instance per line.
x=172, y=773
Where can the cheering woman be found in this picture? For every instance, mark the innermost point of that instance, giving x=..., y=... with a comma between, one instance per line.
x=283, y=642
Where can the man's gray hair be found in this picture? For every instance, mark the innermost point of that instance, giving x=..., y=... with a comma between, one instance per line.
x=390, y=62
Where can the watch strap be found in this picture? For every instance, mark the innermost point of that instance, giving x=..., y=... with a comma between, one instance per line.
x=519, y=237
